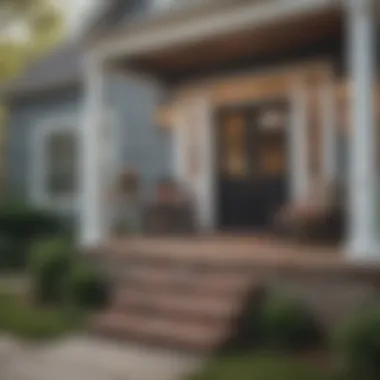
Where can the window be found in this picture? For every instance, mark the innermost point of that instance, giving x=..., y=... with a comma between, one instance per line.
x=61, y=164
x=55, y=158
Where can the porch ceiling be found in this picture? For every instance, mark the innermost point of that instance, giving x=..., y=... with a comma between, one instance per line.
x=241, y=47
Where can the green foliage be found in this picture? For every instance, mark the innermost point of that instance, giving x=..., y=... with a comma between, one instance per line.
x=88, y=286
x=21, y=220
x=20, y=226
x=358, y=343
x=20, y=318
x=260, y=367
x=287, y=324
x=43, y=27
x=61, y=277
x=51, y=261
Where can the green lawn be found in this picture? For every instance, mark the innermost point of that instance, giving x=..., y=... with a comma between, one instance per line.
x=261, y=367
x=22, y=319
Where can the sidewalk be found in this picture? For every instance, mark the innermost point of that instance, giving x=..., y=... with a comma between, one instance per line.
x=84, y=358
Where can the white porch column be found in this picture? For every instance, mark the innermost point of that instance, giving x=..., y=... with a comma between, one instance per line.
x=194, y=157
x=205, y=187
x=362, y=237
x=92, y=226
x=328, y=109
x=298, y=145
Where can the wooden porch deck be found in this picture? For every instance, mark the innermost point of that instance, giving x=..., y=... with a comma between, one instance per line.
x=240, y=250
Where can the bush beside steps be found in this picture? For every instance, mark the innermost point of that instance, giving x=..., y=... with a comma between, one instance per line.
x=60, y=276
x=286, y=324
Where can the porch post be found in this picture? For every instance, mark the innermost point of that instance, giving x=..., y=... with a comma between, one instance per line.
x=298, y=144
x=328, y=108
x=92, y=221
x=362, y=239
x=194, y=157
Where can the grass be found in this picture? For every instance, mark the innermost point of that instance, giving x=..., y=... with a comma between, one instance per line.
x=261, y=367
x=20, y=318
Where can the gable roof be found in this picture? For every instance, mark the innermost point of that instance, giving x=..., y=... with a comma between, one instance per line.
x=60, y=67
x=114, y=13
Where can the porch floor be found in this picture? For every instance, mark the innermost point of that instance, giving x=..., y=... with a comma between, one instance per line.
x=239, y=250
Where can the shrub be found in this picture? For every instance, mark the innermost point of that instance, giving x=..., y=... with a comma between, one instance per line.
x=50, y=264
x=20, y=225
x=287, y=324
x=358, y=343
x=88, y=286
x=19, y=219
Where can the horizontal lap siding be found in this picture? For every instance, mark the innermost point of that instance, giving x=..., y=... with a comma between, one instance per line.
x=24, y=116
x=142, y=145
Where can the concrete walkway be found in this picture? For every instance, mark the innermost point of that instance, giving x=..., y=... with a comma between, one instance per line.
x=86, y=358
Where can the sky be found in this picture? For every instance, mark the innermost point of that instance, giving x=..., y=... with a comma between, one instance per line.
x=75, y=11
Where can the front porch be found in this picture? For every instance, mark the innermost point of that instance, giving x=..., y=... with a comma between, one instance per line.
x=318, y=87
x=192, y=293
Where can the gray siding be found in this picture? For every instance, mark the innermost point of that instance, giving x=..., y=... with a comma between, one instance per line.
x=25, y=115
x=143, y=146
x=140, y=145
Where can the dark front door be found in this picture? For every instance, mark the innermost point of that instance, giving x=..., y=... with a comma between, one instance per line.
x=252, y=164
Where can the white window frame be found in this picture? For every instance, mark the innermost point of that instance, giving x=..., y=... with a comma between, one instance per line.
x=39, y=194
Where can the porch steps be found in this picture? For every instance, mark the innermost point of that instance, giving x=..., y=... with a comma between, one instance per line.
x=178, y=305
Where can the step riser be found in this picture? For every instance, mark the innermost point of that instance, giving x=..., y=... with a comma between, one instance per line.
x=187, y=307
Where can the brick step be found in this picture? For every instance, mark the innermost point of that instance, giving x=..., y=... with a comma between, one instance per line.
x=205, y=282
x=163, y=331
x=121, y=263
x=185, y=306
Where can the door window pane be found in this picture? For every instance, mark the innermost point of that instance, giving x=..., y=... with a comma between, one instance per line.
x=271, y=147
x=235, y=162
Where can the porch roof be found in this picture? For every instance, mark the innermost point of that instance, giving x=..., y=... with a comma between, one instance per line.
x=245, y=28
x=241, y=47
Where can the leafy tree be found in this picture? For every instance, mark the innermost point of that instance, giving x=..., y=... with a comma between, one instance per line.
x=27, y=29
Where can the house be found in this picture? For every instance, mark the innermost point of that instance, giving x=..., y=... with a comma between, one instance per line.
x=251, y=107
x=262, y=103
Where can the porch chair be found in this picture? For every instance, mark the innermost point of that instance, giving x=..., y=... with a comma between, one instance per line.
x=170, y=213
x=319, y=219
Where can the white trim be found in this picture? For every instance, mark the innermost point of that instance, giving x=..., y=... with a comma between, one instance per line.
x=201, y=183
x=363, y=183
x=93, y=222
x=205, y=187
x=298, y=144
x=240, y=17
x=328, y=109
x=38, y=193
